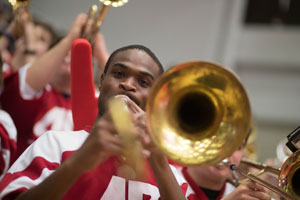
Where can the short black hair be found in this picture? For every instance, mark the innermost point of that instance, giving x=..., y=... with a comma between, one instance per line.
x=135, y=46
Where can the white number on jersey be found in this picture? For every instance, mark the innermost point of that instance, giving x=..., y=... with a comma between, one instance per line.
x=58, y=119
x=136, y=190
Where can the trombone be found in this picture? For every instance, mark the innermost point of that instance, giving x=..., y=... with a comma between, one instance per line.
x=97, y=17
x=195, y=109
x=288, y=175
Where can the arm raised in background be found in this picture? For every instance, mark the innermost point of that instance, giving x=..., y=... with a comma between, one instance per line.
x=100, y=51
x=44, y=68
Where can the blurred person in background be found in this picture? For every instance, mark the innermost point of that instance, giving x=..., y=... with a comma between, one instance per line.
x=8, y=135
x=37, y=96
x=24, y=40
x=219, y=182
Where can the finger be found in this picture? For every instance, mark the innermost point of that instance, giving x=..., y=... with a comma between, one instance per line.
x=260, y=187
x=87, y=29
x=145, y=139
x=105, y=123
x=260, y=195
x=76, y=29
x=133, y=107
x=128, y=102
x=146, y=153
x=103, y=140
x=255, y=186
x=111, y=144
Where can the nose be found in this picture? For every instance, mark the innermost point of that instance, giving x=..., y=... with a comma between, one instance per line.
x=128, y=85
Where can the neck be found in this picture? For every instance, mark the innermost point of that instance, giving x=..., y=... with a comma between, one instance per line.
x=205, y=180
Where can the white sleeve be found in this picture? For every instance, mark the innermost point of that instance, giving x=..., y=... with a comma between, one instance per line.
x=40, y=160
x=26, y=91
x=178, y=176
x=8, y=147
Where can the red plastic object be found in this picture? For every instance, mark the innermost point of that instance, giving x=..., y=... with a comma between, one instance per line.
x=84, y=101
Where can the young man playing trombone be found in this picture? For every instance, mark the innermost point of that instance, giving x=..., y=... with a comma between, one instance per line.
x=82, y=165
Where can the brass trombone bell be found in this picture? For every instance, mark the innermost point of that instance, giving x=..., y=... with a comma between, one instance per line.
x=288, y=176
x=198, y=113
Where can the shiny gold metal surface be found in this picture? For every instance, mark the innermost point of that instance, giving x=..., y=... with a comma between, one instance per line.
x=133, y=166
x=19, y=3
x=114, y=3
x=104, y=9
x=289, y=178
x=18, y=6
x=198, y=113
x=98, y=16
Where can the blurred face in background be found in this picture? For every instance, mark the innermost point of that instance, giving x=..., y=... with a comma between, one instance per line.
x=224, y=173
x=43, y=40
x=214, y=177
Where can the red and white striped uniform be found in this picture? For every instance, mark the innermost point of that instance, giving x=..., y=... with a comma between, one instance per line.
x=34, y=112
x=51, y=149
x=193, y=191
x=8, y=137
x=7, y=70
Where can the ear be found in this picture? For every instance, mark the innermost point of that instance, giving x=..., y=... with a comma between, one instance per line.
x=101, y=80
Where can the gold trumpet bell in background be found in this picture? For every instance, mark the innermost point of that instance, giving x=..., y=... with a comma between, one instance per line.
x=198, y=113
x=16, y=4
x=98, y=17
x=106, y=5
x=114, y=3
x=289, y=178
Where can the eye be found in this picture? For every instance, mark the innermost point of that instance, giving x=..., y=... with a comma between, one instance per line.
x=144, y=83
x=118, y=74
x=41, y=38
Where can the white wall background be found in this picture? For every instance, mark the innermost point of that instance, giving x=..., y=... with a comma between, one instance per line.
x=267, y=59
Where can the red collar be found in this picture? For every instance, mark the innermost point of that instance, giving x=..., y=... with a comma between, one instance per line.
x=199, y=193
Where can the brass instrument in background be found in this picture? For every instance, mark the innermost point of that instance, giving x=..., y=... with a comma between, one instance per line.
x=199, y=114
x=97, y=17
x=288, y=176
x=194, y=110
x=17, y=5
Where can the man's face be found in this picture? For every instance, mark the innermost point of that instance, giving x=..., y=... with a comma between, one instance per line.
x=223, y=173
x=132, y=73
